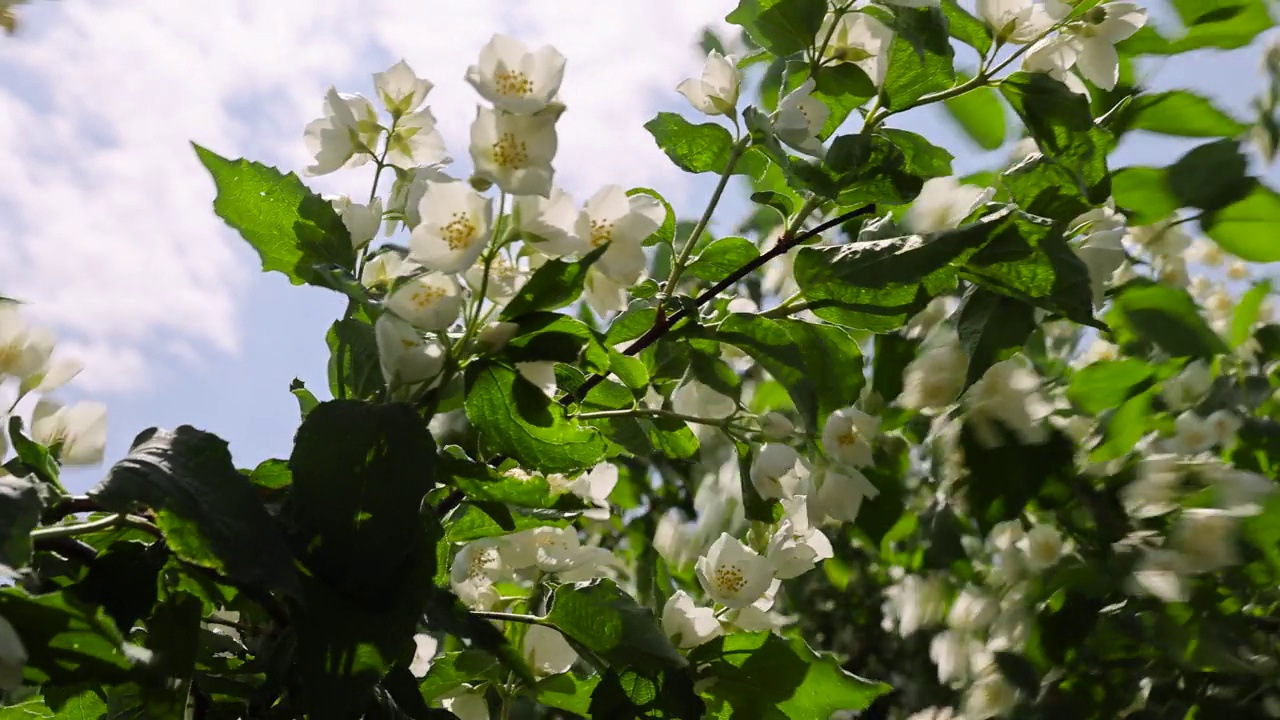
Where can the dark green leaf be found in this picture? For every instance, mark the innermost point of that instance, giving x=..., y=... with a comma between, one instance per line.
x=1211, y=176
x=1102, y=386
x=451, y=670
x=291, y=228
x=86, y=705
x=722, y=258
x=547, y=336
x=1004, y=478
x=781, y=202
x=1018, y=671
x=610, y=623
x=20, y=508
x=34, y=457
x=842, y=87
x=1044, y=187
x=980, y=114
x=446, y=613
x=471, y=522
x=482, y=483
x=515, y=418
x=700, y=148
x=358, y=360
x=1125, y=427
x=632, y=695
x=1247, y=228
x=761, y=675
x=1246, y=313
x=1147, y=313
x=666, y=232
x=992, y=327
x=1144, y=192
x=67, y=642
x=1178, y=112
x=554, y=285
x=888, y=166
x=209, y=511
x=568, y=691
x=966, y=28
x=920, y=57
x=780, y=26
x=123, y=581
x=891, y=355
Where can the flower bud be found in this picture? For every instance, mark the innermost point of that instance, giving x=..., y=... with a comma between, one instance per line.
x=776, y=426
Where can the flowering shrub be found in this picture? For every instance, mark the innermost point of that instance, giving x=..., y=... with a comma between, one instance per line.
x=906, y=445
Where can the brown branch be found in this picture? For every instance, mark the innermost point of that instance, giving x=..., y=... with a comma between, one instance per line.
x=664, y=323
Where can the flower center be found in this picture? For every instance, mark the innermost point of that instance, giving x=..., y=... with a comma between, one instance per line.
x=508, y=152
x=601, y=232
x=512, y=82
x=848, y=437
x=459, y=232
x=426, y=297
x=730, y=579
x=481, y=560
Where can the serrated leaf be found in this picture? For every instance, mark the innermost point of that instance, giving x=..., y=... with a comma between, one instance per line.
x=780, y=26
x=610, y=623
x=700, y=148
x=555, y=284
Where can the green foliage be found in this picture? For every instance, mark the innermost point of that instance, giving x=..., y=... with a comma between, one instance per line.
x=700, y=148
x=1145, y=313
x=1106, y=385
x=1144, y=192
x=20, y=508
x=67, y=642
x=920, y=57
x=1244, y=228
x=554, y=285
x=608, y=622
x=980, y=114
x=992, y=327
x=1221, y=160
x=1177, y=112
x=780, y=26
x=721, y=258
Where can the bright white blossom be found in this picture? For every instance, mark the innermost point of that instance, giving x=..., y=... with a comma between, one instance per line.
x=344, y=136
x=1205, y=538
x=687, y=624
x=716, y=93
x=362, y=221
x=382, y=269
x=415, y=141
x=496, y=335
x=466, y=703
x=1007, y=395
x=475, y=569
x=1159, y=573
x=515, y=79
x=800, y=118
x=594, y=487
x=860, y=39
x=1041, y=547
x=514, y=152
x=1102, y=252
x=610, y=216
x=951, y=651
x=24, y=350
x=840, y=494
x=1156, y=488
x=972, y=611
x=405, y=355
x=796, y=546
x=991, y=696
x=1224, y=425
x=424, y=652
x=400, y=89
x=431, y=301
x=549, y=224
x=1192, y=434
x=1096, y=35
x=733, y=574
x=504, y=280
x=13, y=656
x=542, y=373
x=1189, y=386
x=603, y=294
x=773, y=473
x=1055, y=56
x=936, y=376
x=847, y=436
x=547, y=651
x=943, y=203
x=1206, y=252
x=81, y=429
x=776, y=427
x=916, y=602
x=1015, y=21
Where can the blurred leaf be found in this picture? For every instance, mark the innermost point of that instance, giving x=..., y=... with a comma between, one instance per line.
x=1102, y=386
x=67, y=642
x=1246, y=312
x=1144, y=191
x=631, y=695
x=1063, y=127
x=1003, y=478
x=1211, y=176
x=1246, y=228
x=980, y=114
x=992, y=327
x=1178, y=112
x=1166, y=317
x=1225, y=24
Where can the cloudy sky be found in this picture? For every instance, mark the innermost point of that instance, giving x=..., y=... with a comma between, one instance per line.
x=106, y=228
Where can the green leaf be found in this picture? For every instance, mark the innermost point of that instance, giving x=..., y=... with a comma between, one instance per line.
x=820, y=365
x=482, y=483
x=1125, y=427
x=1246, y=313
x=472, y=522
x=1044, y=187
x=272, y=475
x=1178, y=112
x=700, y=148
x=1003, y=478
x=554, y=285
x=842, y=87
x=980, y=114
x=1211, y=177
x=666, y=232
x=1225, y=24
x=515, y=418
x=446, y=613
x=67, y=642
x=547, y=336
x=879, y=285
x=360, y=472
x=358, y=361
x=761, y=675
x=568, y=691
x=966, y=28
x=781, y=202
x=1102, y=386
x=992, y=327
x=1063, y=127
x=20, y=508
x=890, y=356
x=780, y=26
x=209, y=511
x=888, y=166
x=34, y=457
x=451, y=670
x=1146, y=313
x=1145, y=193
x=633, y=695
x=610, y=623
x=292, y=228
x=122, y=580
x=86, y=705
x=920, y=57
x=1246, y=228
x=722, y=258
x=306, y=400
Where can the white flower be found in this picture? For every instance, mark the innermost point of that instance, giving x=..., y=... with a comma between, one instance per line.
x=514, y=151
x=951, y=651
x=697, y=400
x=415, y=141
x=916, y=602
x=542, y=373
x=991, y=696
x=514, y=79
x=935, y=377
x=1042, y=547
x=1192, y=434
x=673, y=538
x=1009, y=631
x=453, y=229
x=13, y=656
x=733, y=574
x=383, y=268
x=1240, y=491
x=1015, y=21
x=776, y=427
x=1159, y=573
x=840, y=494
x=1224, y=425
x=553, y=549
x=1007, y=394
x=547, y=651
x=847, y=436
x=24, y=351
x=343, y=137
x=717, y=92
x=362, y=221
x=424, y=652
x=548, y=224
x=1096, y=34
x=800, y=118
x=1206, y=539
x=407, y=192
x=1099, y=350
x=972, y=611
x=687, y=624
x=1004, y=535
x=1156, y=489
x=1238, y=270
x=496, y=335
x=595, y=487
x=1008, y=567
x=860, y=39
x=935, y=713
x=624, y=222
x=81, y=429
x=52, y=375
x=1206, y=252
x=774, y=471
x=1055, y=56
x=943, y=203
x=924, y=323
x=400, y=90
x=429, y=302
x=603, y=294
x=1189, y=386
x=1102, y=253
x=405, y=355
x=1164, y=238
x=466, y=703
x=475, y=568
x=797, y=546
x=504, y=280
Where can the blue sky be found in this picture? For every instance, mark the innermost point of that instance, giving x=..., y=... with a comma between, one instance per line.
x=105, y=224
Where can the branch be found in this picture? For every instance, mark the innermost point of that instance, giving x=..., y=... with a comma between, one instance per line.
x=664, y=323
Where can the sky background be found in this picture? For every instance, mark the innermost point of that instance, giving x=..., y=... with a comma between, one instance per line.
x=106, y=227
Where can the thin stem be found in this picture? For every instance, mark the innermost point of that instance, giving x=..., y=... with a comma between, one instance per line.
x=677, y=267
x=74, y=529
x=511, y=617
x=785, y=310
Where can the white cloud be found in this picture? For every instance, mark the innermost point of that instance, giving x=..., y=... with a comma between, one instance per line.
x=104, y=212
